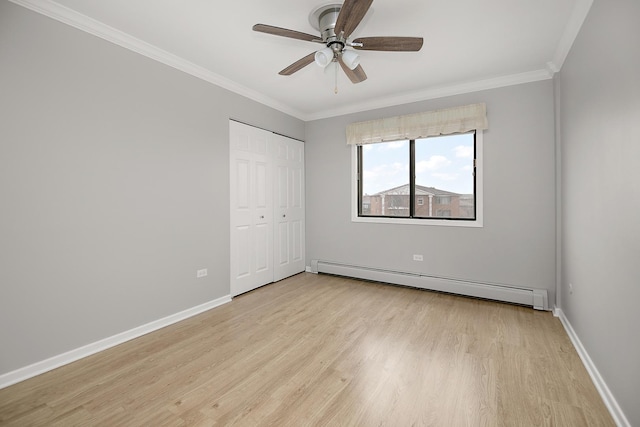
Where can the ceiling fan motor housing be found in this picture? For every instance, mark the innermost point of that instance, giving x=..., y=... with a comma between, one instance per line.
x=327, y=19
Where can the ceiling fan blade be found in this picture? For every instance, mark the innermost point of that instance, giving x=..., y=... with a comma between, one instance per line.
x=283, y=32
x=356, y=75
x=397, y=44
x=351, y=14
x=298, y=65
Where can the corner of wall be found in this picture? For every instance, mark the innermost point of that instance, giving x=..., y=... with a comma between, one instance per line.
x=608, y=398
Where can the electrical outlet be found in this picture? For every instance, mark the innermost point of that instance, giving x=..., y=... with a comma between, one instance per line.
x=201, y=273
x=570, y=288
x=417, y=257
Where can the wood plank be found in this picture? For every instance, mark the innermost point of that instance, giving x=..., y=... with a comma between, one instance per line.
x=326, y=350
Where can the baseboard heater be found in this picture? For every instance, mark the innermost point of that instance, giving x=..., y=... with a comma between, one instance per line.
x=536, y=298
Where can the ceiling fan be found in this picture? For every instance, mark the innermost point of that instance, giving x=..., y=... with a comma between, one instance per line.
x=336, y=23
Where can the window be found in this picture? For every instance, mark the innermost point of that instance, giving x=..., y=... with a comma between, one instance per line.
x=435, y=180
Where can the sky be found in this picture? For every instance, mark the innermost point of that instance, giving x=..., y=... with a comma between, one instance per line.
x=444, y=162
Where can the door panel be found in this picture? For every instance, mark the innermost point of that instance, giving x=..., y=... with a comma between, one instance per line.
x=283, y=250
x=262, y=193
x=296, y=245
x=241, y=142
x=289, y=241
x=244, y=260
x=251, y=209
x=242, y=181
x=282, y=187
x=262, y=247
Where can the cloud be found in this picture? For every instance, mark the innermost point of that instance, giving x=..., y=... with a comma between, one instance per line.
x=445, y=176
x=464, y=151
x=384, y=177
x=434, y=163
x=391, y=145
x=385, y=170
x=467, y=168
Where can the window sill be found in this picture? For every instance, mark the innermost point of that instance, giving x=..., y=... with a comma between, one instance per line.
x=414, y=221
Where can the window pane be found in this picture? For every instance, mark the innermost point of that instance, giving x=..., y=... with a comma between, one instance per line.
x=385, y=179
x=444, y=177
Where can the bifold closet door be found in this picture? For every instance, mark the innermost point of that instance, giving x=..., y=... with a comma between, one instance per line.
x=266, y=207
x=251, y=208
x=288, y=207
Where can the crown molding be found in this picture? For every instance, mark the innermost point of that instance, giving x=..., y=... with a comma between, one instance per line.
x=577, y=18
x=89, y=25
x=438, y=92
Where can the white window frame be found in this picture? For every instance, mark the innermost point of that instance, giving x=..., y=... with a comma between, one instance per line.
x=477, y=223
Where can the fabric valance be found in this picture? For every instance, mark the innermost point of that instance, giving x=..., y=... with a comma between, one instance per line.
x=420, y=125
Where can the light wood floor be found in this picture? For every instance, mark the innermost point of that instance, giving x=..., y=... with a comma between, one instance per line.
x=324, y=350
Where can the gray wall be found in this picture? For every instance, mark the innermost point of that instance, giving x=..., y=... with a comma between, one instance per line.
x=114, y=178
x=113, y=187
x=516, y=246
x=600, y=133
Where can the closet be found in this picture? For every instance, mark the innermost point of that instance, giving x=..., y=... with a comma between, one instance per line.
x=266, y=207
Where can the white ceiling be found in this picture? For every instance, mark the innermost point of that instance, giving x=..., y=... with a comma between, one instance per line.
x=468, y=45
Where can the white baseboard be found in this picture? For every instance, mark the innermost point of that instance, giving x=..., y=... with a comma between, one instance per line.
x=54, y=362
x=612, y=405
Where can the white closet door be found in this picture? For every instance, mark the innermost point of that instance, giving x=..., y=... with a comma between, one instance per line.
x=251, y=208
x=289, y=207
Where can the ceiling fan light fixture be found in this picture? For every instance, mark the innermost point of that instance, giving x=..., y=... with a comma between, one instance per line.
x=329, y=69
x=350, y=58
x=324, y=57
